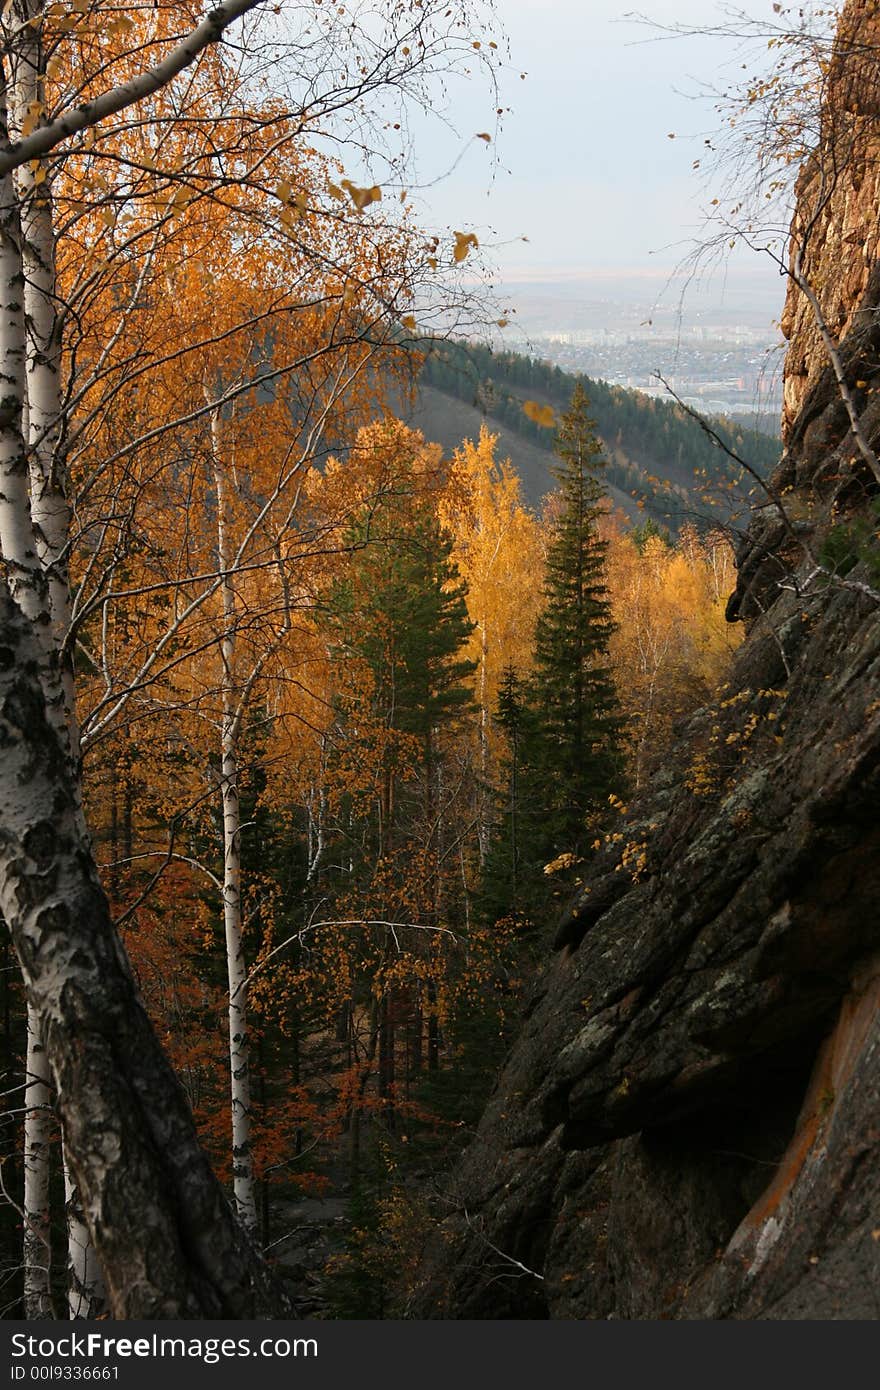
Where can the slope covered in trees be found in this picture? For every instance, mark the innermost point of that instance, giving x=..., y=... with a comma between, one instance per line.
x=659, y=459
x=353, y=695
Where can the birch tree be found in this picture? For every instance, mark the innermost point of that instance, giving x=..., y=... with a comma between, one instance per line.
x=104, y=94
x=497, y=549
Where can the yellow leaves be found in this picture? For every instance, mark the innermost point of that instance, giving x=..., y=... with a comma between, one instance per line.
x=362, y=197
x=119, y=25
x=32, y=118
x=294, y=203
x=542, y=415
x=482, y=135
x=563, y=861
x=464, y=243
x=502, y=323
x=702, y=777
x=497, y=549
x=634, y=859
x=410, y=323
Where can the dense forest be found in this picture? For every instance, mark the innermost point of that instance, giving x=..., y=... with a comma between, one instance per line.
x=657, y=454
x=338, y=816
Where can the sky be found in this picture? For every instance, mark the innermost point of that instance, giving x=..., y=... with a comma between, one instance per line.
x=583, y=166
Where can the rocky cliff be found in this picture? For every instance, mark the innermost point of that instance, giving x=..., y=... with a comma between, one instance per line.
x=689, y=1125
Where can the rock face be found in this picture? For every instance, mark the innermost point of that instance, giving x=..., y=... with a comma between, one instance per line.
x=689, y=1125
x=838, y=195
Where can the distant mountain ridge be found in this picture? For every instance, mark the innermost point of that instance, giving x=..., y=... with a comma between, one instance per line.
x=660, y=462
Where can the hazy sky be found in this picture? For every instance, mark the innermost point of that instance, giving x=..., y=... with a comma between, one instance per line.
x=585, y=167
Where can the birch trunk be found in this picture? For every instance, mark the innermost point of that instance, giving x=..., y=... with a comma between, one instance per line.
x=50, y=511
x=37, y=1138
x=162, y=1229
x=239, y=1043
x=25, y=577
x=86, y=1291
x=49, y=516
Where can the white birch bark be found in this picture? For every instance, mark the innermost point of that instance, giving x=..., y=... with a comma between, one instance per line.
x=16, y=530
x=37, y=1139
x=239, y=1043
x=25, y=575
x=86, y=1292
x=50, y=512
x=50, y=529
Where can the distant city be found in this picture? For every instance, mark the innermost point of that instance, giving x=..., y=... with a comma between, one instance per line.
x=722, y=358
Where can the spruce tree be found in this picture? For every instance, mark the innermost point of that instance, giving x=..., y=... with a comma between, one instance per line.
x=575, y=754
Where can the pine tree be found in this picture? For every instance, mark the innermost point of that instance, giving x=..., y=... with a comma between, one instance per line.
x=397, y=619
x=575, y=755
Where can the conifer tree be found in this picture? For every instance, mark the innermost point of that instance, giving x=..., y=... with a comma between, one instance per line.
x=575, y=755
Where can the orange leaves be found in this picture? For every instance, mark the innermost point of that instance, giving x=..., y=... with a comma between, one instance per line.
x=465, y=242
x=543, y=415
x=362, y=197
x=32, y=118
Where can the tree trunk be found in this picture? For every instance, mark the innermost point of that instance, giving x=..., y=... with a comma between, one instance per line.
x=363, y=1077
x=86, y=1291
x=236, y=965
x=433, y=1031
x=387, y=1070
x=239, y=1042
x=163, y=1231
x=37, y=1136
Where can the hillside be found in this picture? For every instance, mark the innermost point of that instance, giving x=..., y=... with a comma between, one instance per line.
x=660, y=462
x=447, y=420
